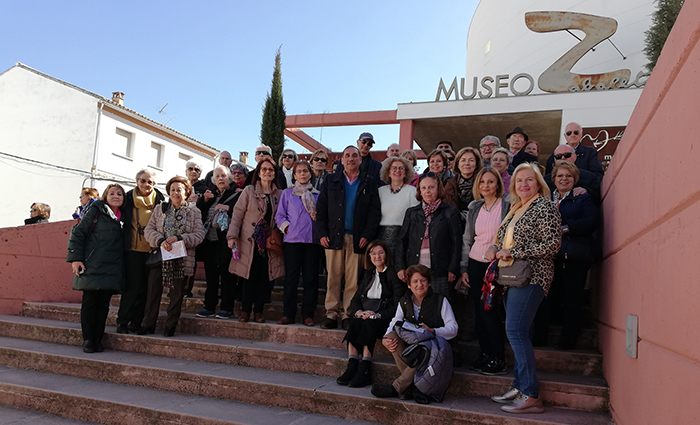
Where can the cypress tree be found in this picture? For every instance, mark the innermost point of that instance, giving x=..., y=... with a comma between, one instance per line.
x=274, y=115
x=662, y=21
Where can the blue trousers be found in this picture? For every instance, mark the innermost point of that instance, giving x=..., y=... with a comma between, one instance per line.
x=521, y=306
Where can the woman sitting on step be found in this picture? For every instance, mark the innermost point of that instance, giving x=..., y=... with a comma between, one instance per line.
x=374, y=303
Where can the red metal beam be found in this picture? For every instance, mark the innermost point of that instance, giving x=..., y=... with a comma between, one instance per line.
x=304, y=139
x=342, y=119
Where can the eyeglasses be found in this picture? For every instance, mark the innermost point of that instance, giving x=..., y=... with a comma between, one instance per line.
x=563, y=155
x=287, y=156
x=148, y=182
x=568, y=133
x=397, y=168
x=237, y=173
x=324, y=160
x=368, y=142
x=194, y=169
x=263, y=153
x=488, y=145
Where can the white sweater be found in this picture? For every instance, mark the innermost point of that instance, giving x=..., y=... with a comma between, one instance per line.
x=394, y=205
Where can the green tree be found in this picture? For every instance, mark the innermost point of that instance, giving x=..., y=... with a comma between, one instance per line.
x=661, y=23
x=274, y=115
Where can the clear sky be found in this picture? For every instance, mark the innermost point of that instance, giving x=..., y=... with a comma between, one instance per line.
x=212, y=61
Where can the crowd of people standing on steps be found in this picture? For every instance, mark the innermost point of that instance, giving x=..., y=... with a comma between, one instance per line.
x=406, y=253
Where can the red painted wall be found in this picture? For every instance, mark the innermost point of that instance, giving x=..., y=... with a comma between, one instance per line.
x=33, y=265
x=652, y=240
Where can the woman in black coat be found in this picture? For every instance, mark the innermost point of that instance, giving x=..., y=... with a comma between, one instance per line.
x=372, y=307
x=579, y=220
x=431, y=235
x=214, y=249
x=96, y=254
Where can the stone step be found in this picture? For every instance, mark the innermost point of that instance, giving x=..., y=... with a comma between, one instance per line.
x=15, y=416
x=569, y=391
x=118, y=404
x=277, y=293
x=575, y=362
x=301, y=392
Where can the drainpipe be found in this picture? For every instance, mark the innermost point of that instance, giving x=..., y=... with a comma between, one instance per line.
x=93, y=168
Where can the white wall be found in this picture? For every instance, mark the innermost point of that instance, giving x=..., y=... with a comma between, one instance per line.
x=39, y=118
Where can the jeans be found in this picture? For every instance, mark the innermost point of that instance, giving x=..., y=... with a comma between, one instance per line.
x=521, y=307
x=300, y=258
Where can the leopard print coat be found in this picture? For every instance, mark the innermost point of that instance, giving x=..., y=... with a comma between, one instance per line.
x=537, y=238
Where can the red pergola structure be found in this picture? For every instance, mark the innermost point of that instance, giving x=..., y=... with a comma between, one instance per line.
x=295, y=123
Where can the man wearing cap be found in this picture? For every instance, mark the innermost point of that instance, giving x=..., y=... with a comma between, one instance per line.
x=586, y=180
x=586, y=156
x=347, y=218
x=369, y=165
x=516, y=142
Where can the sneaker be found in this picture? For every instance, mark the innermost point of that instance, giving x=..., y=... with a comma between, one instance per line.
x=508, y=397
x=480, y=362
x=524, y=404
x=223, y=314
x=329, y=323
x=495, y=366
x=205, y=313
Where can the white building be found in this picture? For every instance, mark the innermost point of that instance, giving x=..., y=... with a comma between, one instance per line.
x=57, y=138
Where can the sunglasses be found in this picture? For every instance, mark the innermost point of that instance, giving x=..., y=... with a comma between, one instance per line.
x=194, y=169
x=263, y=153
x=452, y=158
x=568, y=133
x=33, y=210
x=287, y=156
x=368, y=142
x=430, y=174
x=562, y=155
x=324, y=160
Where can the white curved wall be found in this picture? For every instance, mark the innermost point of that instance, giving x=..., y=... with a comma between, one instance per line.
x=514, y=48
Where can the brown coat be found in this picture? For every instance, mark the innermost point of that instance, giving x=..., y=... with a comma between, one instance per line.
x=193, y=236
x=246, y=215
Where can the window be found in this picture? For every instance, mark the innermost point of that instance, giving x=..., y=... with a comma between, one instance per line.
x=156, y=155
x=124, y=144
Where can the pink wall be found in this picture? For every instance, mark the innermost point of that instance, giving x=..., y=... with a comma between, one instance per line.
x=652, y=243
x=33, y=265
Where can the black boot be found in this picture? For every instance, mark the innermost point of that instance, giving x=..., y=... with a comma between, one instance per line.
x=98, y=346
x=363, y=377
x=350, y=372
x=169, y=331
x=88, y=346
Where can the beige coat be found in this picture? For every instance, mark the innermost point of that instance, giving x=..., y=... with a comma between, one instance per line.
x=246, y=215
x=193, y=236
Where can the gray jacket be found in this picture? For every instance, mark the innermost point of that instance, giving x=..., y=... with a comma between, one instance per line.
x=470, y=233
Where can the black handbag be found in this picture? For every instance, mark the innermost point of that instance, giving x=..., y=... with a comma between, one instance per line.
x=516, y=275
x=155, y=258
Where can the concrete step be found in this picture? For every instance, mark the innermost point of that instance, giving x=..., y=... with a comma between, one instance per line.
x=577, y=392
x=301, y=392
x=15, y=416
x=118, y=404
x=277, y=293
x=575, y=362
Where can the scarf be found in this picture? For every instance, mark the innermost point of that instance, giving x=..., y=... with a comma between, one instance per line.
x=174, y=225
x=428, y=210
x=143, y=208
x=306, y=193
x=464, y=192
x=516, y=213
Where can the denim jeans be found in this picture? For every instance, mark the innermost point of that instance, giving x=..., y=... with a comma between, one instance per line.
x=521, y=306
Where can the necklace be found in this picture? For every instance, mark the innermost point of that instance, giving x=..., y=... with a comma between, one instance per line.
x=397, y=190
x=488, y=209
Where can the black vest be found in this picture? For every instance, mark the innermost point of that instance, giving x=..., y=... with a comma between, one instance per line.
x=429, y=310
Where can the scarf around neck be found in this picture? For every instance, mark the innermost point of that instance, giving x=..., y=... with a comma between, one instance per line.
x=428, y=210
x=306, y=193
x=516, y=213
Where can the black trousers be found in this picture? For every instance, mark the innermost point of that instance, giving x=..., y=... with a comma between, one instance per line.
x=216, y=272
x=155, y=295
x=489, y=324
x=565, y=300
x=93, y=313
x=300, y=258
x=256, y=289
x=133, y=302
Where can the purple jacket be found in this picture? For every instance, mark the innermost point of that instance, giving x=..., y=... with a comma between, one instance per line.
x=301, y=228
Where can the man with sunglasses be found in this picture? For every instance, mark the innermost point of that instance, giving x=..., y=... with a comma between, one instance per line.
x=586, y=156
x=369, y=165
x=587, y=180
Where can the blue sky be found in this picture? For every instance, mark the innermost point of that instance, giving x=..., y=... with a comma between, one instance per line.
x=212, y=61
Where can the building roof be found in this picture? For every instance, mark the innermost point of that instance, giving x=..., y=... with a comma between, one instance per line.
x=122, y=109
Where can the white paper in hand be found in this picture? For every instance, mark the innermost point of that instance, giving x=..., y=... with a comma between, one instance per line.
x=177, y=251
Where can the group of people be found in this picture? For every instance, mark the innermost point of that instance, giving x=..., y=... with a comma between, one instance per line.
x=405, y=252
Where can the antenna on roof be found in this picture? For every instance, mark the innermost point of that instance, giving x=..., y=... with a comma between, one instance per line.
x=161, y=114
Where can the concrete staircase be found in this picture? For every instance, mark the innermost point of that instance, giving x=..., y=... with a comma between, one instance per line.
x=222, y=372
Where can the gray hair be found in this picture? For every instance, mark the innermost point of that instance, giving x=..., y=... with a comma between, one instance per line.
x=146, y=170
x=496, y=139
x=193, y=164
x=264, y=147
x=239, y=166
x=228, y=173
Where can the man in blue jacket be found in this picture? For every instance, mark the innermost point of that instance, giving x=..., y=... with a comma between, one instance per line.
x=586, y=156
x=347, y=218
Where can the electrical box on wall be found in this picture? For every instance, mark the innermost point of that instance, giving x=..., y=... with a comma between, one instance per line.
x=631, y=337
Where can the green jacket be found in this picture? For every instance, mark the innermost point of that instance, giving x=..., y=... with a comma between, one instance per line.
x=101, y=250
